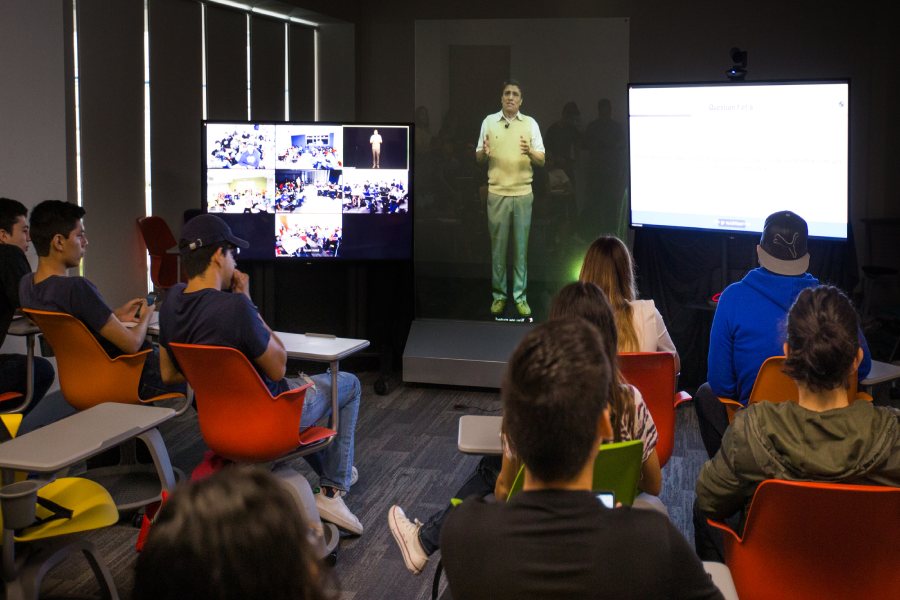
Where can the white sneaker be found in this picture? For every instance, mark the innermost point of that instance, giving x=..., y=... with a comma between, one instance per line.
x=406, y=533
x=354, y=475
x=335, y=511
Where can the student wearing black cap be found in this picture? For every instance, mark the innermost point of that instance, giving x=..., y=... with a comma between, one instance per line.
x=748, y=326
x=214, y=308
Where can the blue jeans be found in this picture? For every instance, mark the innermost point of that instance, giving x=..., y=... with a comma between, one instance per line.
x=334, y=463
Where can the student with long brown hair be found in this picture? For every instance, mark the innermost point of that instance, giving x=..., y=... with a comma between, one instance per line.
x=640, y=327
x=629, y=416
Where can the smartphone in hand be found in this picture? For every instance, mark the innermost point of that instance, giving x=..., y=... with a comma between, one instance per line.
x=607, y=499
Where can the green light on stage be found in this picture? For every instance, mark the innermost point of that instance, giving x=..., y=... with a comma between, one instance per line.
x=575, y=268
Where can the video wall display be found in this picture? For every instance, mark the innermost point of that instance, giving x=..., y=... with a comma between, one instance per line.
x=311, y=190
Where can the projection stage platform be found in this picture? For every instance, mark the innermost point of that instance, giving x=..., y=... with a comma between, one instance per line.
x=466, y=353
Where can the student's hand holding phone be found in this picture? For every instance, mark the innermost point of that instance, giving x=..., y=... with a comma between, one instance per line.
x=131, y=311
x=240, y=283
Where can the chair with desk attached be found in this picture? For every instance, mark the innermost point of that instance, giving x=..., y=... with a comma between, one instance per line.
x=811, y=540
x=240, y=420
x=88, y=377
x=653, y=374
x=40, y=521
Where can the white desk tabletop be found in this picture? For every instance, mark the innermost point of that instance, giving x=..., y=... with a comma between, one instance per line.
x=881, y=372
x=80, y=436
x=479, y=434
x=22, y=326
x=320, y=348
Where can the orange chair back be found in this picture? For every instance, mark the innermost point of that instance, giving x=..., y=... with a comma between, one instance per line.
x=653, y=374
x=159, y=240
x=87, y=375
x=239, y=418
x=817, y=540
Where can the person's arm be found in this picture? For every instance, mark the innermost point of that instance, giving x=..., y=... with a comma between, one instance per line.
x=167, y=369
x=273, y=361
x=722, y=488
x=125, y=339
x=15, y=267
x=664, y=341
x=651, y=475
x=720, y=362
x=483, y=146
x=534, y=147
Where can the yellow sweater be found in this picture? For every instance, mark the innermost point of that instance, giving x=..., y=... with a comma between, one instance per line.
x=509, y=171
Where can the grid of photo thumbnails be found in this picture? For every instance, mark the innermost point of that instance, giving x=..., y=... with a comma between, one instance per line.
x=312, y=190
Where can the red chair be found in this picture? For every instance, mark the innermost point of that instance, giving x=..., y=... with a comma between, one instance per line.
x=810, y=540
x=653, y=374
x=242, y=422
x=164, y=266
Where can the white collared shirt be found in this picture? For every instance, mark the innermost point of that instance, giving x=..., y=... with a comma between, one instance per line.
x=537, y=142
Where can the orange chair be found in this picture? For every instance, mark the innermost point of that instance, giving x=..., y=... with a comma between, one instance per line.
x=165, y=267
x=772, y=384
x=87, y=375
x=653, y=374
x=809, y=540
x=242, y=422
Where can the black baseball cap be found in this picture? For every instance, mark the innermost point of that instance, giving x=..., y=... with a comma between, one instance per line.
x=206, y=230
x=782, y=246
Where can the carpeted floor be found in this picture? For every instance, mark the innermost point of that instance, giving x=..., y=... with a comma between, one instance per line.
x=406, y=454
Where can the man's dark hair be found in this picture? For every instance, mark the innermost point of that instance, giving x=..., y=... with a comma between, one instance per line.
x=195, y=262
x=52, y=217
x=554, y=391
x=10, y=211
x=514, y=82
x=823, y=338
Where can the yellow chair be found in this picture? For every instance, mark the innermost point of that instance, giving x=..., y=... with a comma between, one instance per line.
x=88, y=377
x=38, y=533
x=773, y=385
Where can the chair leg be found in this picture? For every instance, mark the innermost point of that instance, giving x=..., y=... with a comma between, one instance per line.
x=104, y=577
x=327, y=537
x=160, y=455
x=27, y=585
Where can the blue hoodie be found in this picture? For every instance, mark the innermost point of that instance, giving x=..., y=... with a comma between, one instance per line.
x=749, y=327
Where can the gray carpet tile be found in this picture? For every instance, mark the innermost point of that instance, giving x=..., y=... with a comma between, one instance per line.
x=406, y=454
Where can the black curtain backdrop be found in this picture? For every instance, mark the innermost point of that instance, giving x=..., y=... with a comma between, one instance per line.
x=681, y=270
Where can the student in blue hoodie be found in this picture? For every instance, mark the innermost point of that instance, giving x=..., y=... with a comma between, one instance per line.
x=749, y=325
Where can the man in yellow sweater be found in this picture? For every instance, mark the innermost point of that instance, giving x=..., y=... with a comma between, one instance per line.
x=511, y=143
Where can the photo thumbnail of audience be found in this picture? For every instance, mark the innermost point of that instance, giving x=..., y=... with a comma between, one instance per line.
x=309, y=147
x=308, y=191
x=308, y=235
x=238, y=146
x=242, y=193
x=380, y=192
x=376, y=146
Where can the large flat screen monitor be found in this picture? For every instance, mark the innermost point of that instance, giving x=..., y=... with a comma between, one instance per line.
x=313, y=191
x=724, y=156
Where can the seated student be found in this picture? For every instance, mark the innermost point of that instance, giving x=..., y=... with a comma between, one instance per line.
x=555, y=539
x=641, y=328
x=629, y=415
x=14, y=239
x=214, y=308
x=60, y=241
x=236, y=535
x=823, y=437
x=631, y=418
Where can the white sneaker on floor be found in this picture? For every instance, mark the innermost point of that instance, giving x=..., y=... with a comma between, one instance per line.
x=406, y=533
x=354, y=475
x=335, y=511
